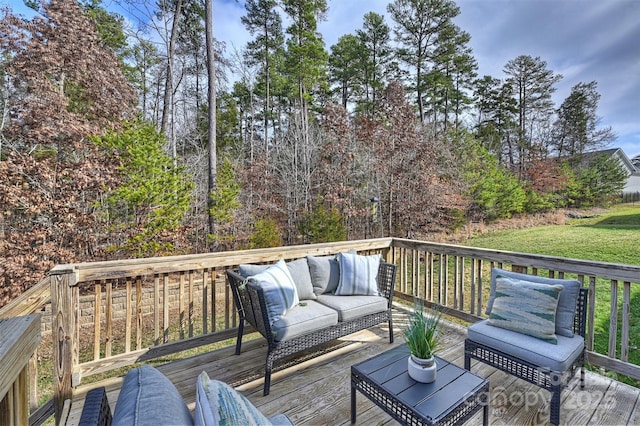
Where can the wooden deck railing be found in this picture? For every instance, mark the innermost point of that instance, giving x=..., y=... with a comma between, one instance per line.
x=107, y=315
x=19, y=339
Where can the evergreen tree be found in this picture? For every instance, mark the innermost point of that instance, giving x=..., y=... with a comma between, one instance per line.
x=450, y=77
x=597, y=182
x=154, y=196
x=374, y=38
x=224, y=203
x=419, y=24
x=497, y=112
x=532, y=86
x=346, y=67
x=263, y=21
x=144, y=59
x=306, y=61
x=306, y=58
x=494, y=191
x=576, y=129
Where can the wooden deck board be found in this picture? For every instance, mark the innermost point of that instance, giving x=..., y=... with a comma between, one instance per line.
x=316, y=391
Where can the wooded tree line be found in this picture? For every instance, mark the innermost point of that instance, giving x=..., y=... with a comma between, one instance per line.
x=121, y=138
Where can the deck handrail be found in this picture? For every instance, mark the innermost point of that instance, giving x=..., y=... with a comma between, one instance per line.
x=19, y=340
x=183, y=301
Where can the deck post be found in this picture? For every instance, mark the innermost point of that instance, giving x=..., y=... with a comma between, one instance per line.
x=64, y=335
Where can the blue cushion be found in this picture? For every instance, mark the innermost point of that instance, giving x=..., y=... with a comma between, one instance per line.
x=566, y=304
x=325, y=273
x=358, y=275
x=557, y=357
x=219, y=404
x=299, y=270
x=149, y=398
x=280, y=291
x=526, y=307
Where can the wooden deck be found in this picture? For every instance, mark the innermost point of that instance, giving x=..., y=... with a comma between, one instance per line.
x=315, y=390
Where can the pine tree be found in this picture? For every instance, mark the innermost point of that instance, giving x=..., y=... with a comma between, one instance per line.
x=419, y=25
x=576, y=129
x=263, y=21
x=532, y=86
x=346, y=67
x=375, y=37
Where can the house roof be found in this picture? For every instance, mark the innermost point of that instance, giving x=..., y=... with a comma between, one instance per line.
x=633, y=168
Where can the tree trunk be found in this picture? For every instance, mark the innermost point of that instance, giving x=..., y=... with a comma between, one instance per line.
x=211, y=118
x=167, y=107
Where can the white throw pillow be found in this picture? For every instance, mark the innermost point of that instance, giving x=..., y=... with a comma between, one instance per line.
x=358, y=275
x=280, y=291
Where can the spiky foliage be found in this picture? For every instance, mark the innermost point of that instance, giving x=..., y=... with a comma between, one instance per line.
x=422, y=335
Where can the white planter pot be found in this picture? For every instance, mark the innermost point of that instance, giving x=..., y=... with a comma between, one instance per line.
x=422, y=370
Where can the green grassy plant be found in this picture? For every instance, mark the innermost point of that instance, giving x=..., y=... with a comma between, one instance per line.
x=421, y=334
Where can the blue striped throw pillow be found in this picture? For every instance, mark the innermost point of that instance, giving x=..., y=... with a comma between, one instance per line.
x=526, y=307
x=358, y=275
x=280, y=291
x=219, y=404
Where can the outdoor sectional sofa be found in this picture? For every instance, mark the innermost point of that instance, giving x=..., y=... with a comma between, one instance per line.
x=313, y=300
x=535, y=331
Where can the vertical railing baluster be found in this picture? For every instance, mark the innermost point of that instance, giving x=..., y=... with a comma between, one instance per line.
x=613, y=320
x=108, y=319
x=473, y=287
x=156, y=309
x=191, y=302
x=626, y=306
x=165, y=308
x=415, y=273
x=138, y=313
x=128, y=312
x=96, y=321
x=205, y=296
x=591, y=312
x=479, y=285
x=214, y=304
x=456, y=296
x=463, y=262
x=182, y=314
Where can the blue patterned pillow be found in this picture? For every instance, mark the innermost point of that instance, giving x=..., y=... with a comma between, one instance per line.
x=566, y=304
x=358, y=275
x=280, y=291
x=526, y=307
x=219, y=404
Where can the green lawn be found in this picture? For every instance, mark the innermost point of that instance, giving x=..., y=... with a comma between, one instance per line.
x=608, y=236
x=611, y=236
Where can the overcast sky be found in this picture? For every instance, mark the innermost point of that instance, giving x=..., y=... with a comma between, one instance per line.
x=584, y=40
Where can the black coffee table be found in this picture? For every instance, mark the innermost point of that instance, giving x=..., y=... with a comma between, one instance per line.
x=452, y=399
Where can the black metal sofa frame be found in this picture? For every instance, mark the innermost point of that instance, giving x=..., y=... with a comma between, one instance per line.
x=553, y=381
x=251, y=306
